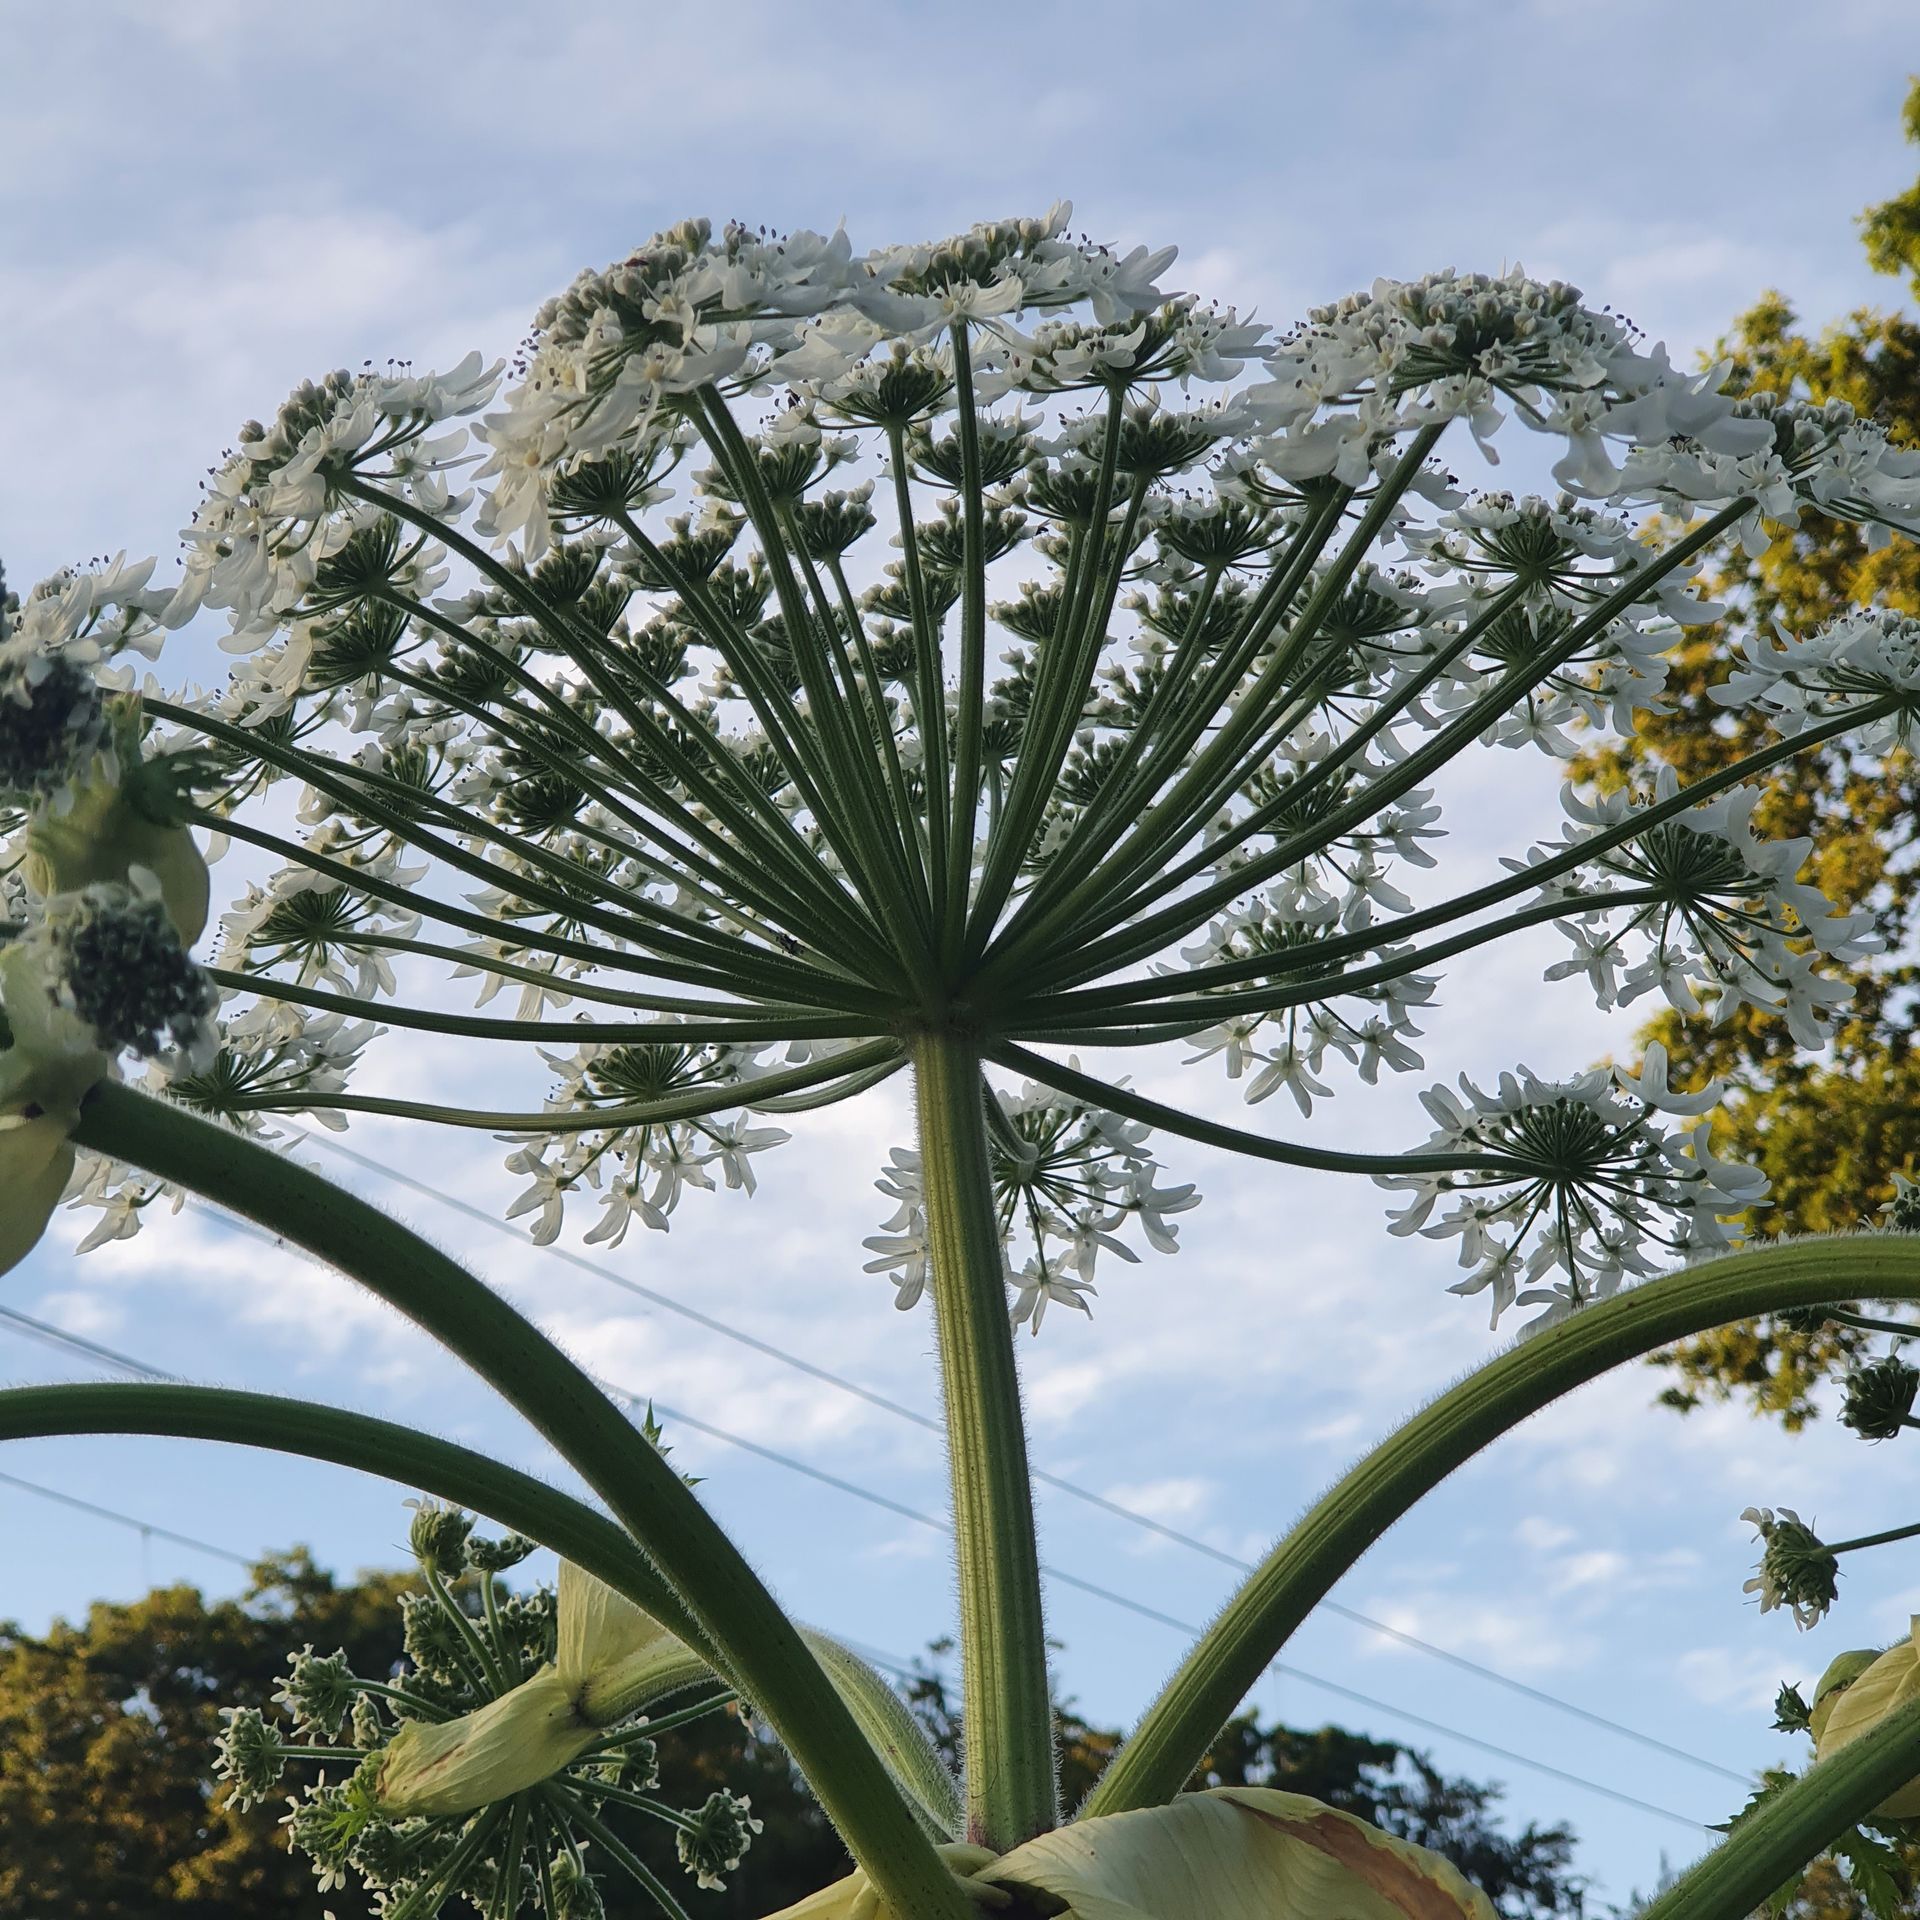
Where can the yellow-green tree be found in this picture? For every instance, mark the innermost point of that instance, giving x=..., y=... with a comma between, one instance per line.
x=1829, y=1132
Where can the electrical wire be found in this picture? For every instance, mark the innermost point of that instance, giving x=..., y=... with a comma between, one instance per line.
x=635, y=1401
x=1073, y=1488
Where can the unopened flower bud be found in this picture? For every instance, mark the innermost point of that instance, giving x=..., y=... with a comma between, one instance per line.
x=438, y=1537
x=53, y=727
x=113, y=812
x=249, y=1755
x=609, y=1653
x=1887, y=1683
x=1841, y=1672
x=503, y=1748
x=105, y=971
x=722, y=1832
x=496, y=1556
x=368, y=1727
x=319, y=1693
x=1879, y=1397
x=575, y=1897
x=432, y=1641
x=1796, y=1571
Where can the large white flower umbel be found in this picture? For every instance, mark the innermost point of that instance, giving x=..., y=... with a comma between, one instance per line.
x=966, y=659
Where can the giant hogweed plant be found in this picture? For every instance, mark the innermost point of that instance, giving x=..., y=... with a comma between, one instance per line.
x=966, y=660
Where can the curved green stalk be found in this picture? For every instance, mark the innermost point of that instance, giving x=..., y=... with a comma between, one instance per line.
x=1764, y=1852
x=1337, y=1530
x=1008, y=1712
x=1210, y=1133
x=895, y=1733
x=734, y=1613
x=368, y=1445
x=695, y=1104
x=723, y=1031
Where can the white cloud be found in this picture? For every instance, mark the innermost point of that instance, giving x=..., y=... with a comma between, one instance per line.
x=1542, y=1534
x=1742, y=1678
x=1516, y=1639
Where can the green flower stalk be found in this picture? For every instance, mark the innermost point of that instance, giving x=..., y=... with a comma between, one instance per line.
x=970, y=660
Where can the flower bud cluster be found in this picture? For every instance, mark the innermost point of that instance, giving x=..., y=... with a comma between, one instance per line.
x=427, y=1774
x=1797, y=1570
x=110, y=963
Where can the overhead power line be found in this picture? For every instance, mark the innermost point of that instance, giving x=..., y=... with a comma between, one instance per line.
x=1131, y=1515
x=146, y=1528
x=634, y=1400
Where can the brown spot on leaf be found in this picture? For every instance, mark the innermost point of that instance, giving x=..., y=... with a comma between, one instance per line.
x=1390, y=1874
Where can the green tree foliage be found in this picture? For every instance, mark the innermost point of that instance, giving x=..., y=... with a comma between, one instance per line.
x=1828, y=1131
x=107, y=1730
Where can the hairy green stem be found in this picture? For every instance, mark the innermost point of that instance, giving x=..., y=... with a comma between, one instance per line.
x=756, y=1642
x=1008, y=1715
x=1338, y=1529
x=368, y=1445
x=1766, y=1850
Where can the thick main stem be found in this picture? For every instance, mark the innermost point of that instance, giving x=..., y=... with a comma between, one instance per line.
x=1011, y=1794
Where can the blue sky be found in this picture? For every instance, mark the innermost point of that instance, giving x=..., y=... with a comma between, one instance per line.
x=205, y=203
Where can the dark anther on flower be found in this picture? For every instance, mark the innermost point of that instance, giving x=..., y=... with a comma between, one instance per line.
x=495, y=1556
x=120, y=966
x=1790, y=1711
x=1797, y=1569
x=52, y=722
x=1879, y=1397
x=438, y=1537
x=721, y=1833
x=319, y=1693
x=250, y=1755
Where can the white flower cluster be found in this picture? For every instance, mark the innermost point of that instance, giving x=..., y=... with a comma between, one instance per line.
x=1786, y=455
x=1289, y=1049
x=1573, y=1178
x=268, y=521
x=1712, y=907
x=1869, y=658
x=1414, y=353
x=639, y=1171
x=1553, y=562
x=688, y=739
x=1069, y=1179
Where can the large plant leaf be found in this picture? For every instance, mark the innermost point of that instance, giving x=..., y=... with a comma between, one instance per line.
x=1233, y=1853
